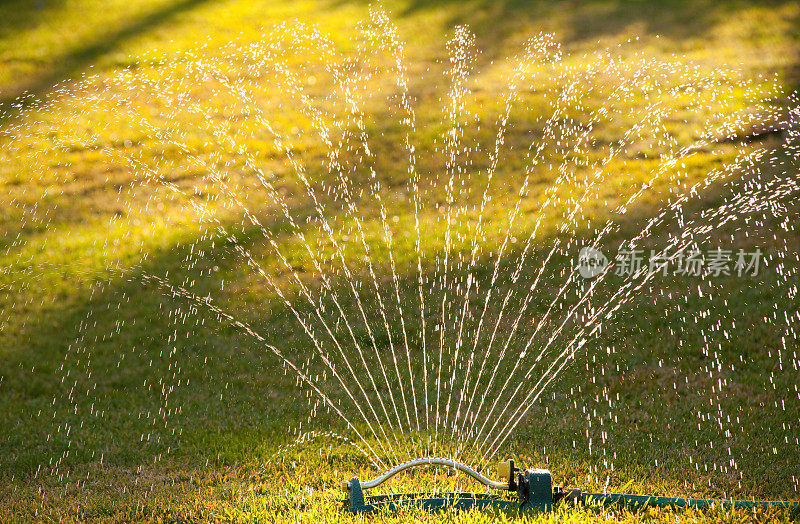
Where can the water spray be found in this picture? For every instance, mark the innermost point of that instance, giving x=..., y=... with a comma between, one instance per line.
x=528, y=491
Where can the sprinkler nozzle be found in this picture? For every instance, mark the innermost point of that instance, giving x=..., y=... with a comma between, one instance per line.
x=506, y=471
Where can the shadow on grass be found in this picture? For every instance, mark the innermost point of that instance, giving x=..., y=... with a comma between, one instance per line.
x=495, y=22
x=75, y=61
x=157, y=382
x=19, y=15
x=163, y=380
x=499, y=22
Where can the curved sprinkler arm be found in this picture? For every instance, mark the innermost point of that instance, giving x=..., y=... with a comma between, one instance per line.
x=534, y=490
x=432, y=461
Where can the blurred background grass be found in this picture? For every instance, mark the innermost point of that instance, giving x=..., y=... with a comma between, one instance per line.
x=58, y=304
x=43, y=42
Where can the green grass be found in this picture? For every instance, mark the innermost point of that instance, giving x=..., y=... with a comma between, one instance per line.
x=138, y=413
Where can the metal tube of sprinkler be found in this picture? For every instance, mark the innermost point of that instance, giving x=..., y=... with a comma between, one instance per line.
x=432, y=461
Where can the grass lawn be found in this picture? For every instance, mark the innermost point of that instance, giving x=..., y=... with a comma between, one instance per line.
x=123, y=401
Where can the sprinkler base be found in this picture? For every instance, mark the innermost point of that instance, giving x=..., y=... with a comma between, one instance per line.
x=534, y=490
x=534, y=493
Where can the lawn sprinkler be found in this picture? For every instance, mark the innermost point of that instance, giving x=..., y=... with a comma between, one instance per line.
x=533, y=488
x=529, y=491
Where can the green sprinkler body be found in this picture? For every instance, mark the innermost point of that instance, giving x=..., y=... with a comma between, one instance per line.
x=528, y=491
x=533, y=489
